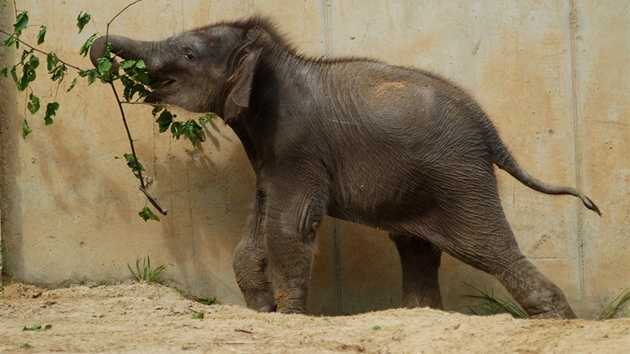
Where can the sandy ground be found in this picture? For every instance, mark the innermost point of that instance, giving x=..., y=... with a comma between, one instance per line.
x=142, y=318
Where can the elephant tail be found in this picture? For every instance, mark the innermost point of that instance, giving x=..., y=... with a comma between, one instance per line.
x=504, y=160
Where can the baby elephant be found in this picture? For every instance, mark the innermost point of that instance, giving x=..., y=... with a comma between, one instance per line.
x=395, y=148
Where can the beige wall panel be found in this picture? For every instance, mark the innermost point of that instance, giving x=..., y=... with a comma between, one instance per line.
x=515, y=59
x=603, y=87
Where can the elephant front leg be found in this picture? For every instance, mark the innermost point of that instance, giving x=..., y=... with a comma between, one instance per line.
x=250, y=262
x=290, y=231
x=420, y=262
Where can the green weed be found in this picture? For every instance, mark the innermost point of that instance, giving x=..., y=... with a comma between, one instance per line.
x=205, y=300
x=201, y=300
x=38, y=328
x=146, y=273
x=491, y=305
x=615, y=306
x=102, y=281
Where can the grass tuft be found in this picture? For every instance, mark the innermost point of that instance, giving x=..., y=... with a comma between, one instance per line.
x=146, y=273
x=615, y=306
x=491, y=305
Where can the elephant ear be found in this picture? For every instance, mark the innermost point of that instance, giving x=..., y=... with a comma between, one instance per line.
x=239, y=93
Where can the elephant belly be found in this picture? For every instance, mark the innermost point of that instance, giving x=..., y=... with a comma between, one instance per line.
x=379, y=198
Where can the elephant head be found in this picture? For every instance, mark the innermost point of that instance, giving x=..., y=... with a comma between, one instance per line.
x=210, y=69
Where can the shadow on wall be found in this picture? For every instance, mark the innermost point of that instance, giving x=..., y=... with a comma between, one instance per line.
x=10, y=128
x=209, y=193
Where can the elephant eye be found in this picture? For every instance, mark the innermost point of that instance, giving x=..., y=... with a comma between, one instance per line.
x=189, y=56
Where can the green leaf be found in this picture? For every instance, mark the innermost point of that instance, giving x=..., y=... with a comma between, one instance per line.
x=5, y=3
x=21, y=21
x=190, y=129
x=29, y=70
x=132, y=88
x=4, y=72
x=28, y=73
x=33, y=103
x=156, y=110
x=33, y=61
x=51, y=61
x=10, y=41
x=91, y=75
x=13, y=72
x=25, y=129
x=137, y=79
x=197, y=315
x=72, y=84
x=128, y=64
x=85, y=48
x=41, y=35
x=146, y=214
x=193, y=131
x=59, y=73
x=104, y=65
x=25, y=54
x=205, y=119
x=26, y=346
x=143, y=77
x=134, y=164
x=164, y=120
x=176, y=130
x=51, y=110
x=82, y=20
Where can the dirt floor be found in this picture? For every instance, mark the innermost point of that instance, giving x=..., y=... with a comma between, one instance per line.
x=142, y=318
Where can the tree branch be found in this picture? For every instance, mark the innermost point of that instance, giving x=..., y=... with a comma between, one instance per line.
x=41, y=51
x=151, y=199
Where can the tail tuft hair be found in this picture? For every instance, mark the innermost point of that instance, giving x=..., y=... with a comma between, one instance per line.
x=589, y=204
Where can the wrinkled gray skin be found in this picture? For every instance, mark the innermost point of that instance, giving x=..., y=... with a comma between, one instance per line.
x=395, y=148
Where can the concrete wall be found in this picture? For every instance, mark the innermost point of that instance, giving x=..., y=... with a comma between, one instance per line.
x=553, y=75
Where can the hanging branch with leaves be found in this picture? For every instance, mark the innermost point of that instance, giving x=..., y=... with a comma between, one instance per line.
x=135, y=78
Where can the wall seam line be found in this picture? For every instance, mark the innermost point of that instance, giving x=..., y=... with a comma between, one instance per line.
x=576, y=115
x=336, y=244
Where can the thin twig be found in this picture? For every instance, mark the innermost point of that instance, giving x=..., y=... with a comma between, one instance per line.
x=154, y=201
x=151, y=199
x=41, y=51
x=118, y=14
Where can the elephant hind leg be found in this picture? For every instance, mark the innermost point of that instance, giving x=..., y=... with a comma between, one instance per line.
x=472, y=228
x=420, y=262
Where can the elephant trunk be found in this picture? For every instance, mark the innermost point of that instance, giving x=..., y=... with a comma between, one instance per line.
x=125, y=48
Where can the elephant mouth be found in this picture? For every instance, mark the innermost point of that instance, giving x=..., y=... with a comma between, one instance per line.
x=161, y=90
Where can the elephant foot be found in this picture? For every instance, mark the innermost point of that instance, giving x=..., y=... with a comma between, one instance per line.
x=266, y=308
x=560, y=314
x=549, y=303
x=424, y=299
x=288, y=304
x=260, y=301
